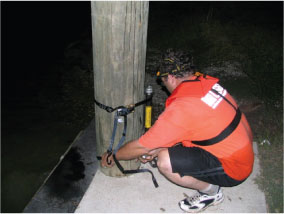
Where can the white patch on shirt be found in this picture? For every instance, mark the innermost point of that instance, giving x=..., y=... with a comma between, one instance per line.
x=213, y=99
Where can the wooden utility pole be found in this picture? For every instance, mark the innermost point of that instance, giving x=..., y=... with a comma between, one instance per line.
x=119, y=54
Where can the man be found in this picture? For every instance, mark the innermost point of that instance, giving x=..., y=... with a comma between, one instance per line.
x=202, y=140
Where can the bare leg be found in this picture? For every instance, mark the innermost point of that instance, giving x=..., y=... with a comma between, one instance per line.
x=165, y=168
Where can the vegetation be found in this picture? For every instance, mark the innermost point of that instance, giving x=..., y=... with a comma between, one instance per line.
x=270, y=137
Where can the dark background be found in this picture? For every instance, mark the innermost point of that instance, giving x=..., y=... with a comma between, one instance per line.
x=34, y=36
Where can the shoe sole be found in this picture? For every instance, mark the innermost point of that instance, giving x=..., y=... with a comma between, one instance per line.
x=204, y=208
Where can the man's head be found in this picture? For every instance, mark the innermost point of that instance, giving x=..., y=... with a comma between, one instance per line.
x=175, y=66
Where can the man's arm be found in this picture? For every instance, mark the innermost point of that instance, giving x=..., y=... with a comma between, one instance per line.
x=128, y=151
x=131, y=151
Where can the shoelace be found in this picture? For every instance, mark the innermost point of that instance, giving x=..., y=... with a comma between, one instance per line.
x=195, y=198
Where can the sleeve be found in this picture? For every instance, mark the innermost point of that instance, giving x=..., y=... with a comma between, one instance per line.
x=167, y=131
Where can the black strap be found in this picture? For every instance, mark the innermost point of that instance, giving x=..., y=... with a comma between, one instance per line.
x=123, y=111
x=228, y=101
x=135, y=171
x=130, y=108
x=104, y=107
x=119, y=145
x=227, y=131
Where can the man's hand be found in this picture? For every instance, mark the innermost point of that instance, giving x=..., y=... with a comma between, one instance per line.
x=107, y=160
x=150, y=155
x=146, y=158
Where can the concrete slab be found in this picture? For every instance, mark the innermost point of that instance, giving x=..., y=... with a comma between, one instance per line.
x=137, y=194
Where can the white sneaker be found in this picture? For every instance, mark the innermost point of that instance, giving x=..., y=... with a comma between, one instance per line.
x=200, y=201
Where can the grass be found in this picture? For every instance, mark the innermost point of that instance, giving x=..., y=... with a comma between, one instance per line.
x=270, y=136
x=271, y=180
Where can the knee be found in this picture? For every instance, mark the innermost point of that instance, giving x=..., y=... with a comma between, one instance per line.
x=164, y=163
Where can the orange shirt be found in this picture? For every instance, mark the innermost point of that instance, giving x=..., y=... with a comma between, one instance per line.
x=195, y=113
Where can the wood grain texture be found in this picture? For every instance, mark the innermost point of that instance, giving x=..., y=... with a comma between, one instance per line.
x=119, y=31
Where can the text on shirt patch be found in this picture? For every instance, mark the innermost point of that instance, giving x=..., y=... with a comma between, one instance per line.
x=213, y=99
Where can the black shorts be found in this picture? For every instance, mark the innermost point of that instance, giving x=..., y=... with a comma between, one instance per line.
x=200, y=164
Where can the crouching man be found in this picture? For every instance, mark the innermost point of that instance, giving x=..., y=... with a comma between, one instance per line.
x=201, y=140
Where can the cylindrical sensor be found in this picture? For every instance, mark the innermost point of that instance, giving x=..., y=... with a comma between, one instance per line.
x=148, y=108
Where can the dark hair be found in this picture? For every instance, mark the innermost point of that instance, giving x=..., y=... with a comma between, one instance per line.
x=177, y=63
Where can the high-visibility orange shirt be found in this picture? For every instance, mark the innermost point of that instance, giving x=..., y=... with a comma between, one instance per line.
x=194, y=113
